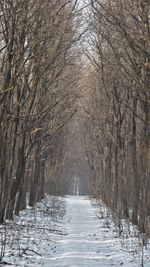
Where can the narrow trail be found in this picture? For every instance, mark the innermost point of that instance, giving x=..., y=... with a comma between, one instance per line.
x=84, y=235
x=87, y=240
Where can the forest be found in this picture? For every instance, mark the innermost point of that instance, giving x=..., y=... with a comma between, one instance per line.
x=75, y=99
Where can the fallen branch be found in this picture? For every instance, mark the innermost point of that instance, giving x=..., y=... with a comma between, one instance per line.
x=6, y=263
x=23, y=251
x=35, y=252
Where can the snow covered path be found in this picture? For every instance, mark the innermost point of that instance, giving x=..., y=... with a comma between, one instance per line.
x=83, y=236
x=88, y=240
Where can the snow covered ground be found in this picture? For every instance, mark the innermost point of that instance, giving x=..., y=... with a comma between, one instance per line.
x=72, y=232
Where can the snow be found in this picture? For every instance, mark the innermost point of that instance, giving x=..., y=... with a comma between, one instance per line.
x=72, y=232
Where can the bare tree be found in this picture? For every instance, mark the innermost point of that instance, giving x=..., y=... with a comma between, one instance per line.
x=37, y=94
x=119, y=46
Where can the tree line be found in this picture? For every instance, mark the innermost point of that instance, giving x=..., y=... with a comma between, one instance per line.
x=37, y=96
x=117, y=110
